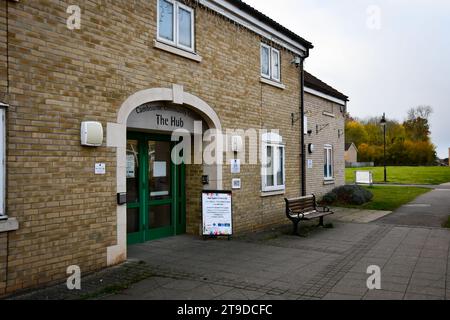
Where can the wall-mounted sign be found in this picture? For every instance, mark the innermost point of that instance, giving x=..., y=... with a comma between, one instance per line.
x=310, y=164
x=235, y=166
x=100, y=168
x=217, y=213
x=162, y=118
x=236, y=184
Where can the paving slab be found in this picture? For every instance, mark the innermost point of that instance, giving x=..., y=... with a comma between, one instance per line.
x=357, y=215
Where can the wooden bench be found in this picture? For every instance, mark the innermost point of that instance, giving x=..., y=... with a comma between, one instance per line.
x=305, y=208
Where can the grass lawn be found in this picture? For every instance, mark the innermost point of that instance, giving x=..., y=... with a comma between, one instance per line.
x=390, y=198
x=405, y=175
x=446, y=223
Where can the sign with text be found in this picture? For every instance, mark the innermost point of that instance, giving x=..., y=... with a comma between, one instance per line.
x=162, y=118
x=100, y=168
x=217, y=213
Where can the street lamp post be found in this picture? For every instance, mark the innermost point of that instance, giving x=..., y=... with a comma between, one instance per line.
x=383, y=123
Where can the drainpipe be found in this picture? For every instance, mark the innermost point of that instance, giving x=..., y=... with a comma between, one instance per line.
x=302, y=124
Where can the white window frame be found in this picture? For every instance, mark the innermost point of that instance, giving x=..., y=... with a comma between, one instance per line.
x=275, y=141
x=271, y=76
x=2, y=161
x=328, y=148
x=272, y=64
x=264, y=46
x=176, y=27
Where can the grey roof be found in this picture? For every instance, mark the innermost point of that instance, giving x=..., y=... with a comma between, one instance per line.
x=263, y=18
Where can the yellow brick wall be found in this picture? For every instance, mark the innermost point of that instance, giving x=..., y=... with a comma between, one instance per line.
x=328, y=134
x=59, y=78
x=3, y=262
x=3, y=60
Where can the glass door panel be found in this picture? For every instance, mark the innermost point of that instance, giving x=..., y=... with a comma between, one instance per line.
x=160, y=216
x=132, y=171
x=134, y=190
x=133, y=220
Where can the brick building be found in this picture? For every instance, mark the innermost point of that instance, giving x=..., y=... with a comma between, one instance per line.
x=141, y=69
x=325, y=110
x=351, y=153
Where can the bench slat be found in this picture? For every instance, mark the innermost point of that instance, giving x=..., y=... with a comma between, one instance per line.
x=300, y=206
x=305, y=213
x=316, y=215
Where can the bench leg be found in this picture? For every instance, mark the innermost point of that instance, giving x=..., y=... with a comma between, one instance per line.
x=295, y=232
x=321, y=222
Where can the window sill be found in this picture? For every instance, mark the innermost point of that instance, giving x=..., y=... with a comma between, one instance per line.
x=9, y=224
x=328, y=181
x=265, y=194
x=179, y=52
x=273, y=83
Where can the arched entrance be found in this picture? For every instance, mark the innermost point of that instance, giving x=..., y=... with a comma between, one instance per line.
x=117, y=138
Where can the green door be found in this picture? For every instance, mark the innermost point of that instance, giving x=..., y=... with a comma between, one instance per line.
x=155, y=189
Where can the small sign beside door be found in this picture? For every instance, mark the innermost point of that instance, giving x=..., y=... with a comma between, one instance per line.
x=100, y=168
x=236, y=184
x=235, y=166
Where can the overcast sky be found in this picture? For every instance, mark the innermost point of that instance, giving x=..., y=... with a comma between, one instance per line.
x=390, y=64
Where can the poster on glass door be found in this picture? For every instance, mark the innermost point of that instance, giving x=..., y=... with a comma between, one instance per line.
x=217, y=213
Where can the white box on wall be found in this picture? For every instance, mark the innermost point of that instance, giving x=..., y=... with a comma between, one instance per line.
x=91, y=134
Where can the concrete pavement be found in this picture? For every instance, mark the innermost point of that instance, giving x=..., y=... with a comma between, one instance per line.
x=356, y=215
x=407, y=245
x=329, y=264
x=429, y=210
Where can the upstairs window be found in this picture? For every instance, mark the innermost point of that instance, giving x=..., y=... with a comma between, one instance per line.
x=176, y=24
x=270, y=63
x=328, y=163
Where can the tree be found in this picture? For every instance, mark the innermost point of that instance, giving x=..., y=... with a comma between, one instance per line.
x=417, y=125
x=355, y=132
x=423, y=112
x=406, y=144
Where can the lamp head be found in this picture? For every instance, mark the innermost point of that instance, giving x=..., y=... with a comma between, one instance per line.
x=383, y=121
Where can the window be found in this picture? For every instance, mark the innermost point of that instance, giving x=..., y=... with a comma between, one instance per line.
x=328, y=163
x=273, y=163
x=2, y=160
x=176, y=24
x=270, y=63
